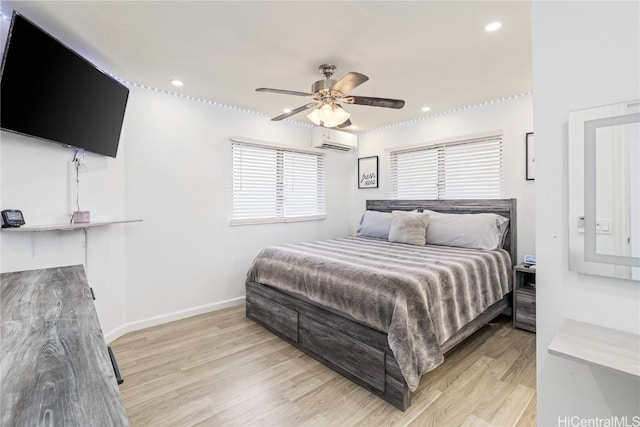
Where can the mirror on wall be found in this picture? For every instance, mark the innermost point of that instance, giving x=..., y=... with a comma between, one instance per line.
x=604, y=190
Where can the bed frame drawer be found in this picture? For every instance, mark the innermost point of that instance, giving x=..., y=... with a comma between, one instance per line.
x=273, y=316
x=342, y=351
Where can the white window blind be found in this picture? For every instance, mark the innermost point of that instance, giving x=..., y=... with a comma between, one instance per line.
x=470, y=169
x=274, y=184
x=414, y=174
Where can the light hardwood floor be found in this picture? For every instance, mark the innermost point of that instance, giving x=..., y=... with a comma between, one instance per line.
x=221, y=369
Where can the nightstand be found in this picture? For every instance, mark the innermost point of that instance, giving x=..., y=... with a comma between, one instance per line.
x=524, y=297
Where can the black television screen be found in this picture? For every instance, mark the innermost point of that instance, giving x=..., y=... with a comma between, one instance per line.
x=50, y=92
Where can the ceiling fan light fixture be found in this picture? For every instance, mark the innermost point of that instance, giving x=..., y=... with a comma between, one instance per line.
x=328, y=115
x=314, y=116
x=339, y=116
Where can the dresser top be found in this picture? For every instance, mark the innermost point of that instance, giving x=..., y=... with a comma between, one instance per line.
x=56, y=370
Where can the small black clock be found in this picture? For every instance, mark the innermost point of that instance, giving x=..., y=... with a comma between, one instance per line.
x=12, y=218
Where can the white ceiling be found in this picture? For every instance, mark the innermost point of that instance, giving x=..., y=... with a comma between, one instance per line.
x=432, y=53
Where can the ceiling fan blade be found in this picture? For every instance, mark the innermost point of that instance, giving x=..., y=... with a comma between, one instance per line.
x=345, y=124
x=374, y=102
x=295, y=111
x=349, y=81
x=282, y=91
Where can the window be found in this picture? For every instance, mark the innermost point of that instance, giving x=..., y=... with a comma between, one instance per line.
x=469, y=169
x=275, y=184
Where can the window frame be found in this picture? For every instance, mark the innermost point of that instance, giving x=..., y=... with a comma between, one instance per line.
x=441, y=153
x=280, y=184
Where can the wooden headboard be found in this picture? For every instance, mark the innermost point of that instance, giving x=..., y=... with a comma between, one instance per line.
x=505, y=207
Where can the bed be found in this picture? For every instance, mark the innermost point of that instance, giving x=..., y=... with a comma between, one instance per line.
x=379, y=312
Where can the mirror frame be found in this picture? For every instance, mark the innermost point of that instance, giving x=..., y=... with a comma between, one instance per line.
x=590, y=128
x=583, y=255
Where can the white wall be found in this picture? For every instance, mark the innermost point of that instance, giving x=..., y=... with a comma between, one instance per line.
x=178, y=179
x=34, y=177
x=514, y=118
x=585, y=54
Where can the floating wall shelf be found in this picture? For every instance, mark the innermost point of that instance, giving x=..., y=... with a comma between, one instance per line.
x=67, y=227
x=599, y=346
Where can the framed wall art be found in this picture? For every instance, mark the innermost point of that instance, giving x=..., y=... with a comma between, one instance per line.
x=531, y=159
x=368, y=172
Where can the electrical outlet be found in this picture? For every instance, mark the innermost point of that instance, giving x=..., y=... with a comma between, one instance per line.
x=79, y=158
x=603, y=225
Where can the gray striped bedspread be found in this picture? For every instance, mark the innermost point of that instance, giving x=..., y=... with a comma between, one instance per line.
x=418, y=295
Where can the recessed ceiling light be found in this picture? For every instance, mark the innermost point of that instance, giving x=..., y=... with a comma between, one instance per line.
x=286, y=110
x=493, y=26
x=176, y=82
x=426, y=108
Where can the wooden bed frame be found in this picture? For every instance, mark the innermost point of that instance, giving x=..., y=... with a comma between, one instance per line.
x=352, y=349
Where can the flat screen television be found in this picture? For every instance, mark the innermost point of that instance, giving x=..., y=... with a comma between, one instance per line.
x=50, y=92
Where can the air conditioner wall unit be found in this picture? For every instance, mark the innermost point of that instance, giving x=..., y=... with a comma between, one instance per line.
x=332, y=139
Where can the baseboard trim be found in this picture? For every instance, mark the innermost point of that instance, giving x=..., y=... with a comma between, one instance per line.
x=170, y=317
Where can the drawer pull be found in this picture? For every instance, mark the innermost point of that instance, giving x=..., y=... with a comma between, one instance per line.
x=114, y=363
x=92, y=294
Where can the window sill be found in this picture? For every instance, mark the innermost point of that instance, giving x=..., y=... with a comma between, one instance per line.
x=250, y=221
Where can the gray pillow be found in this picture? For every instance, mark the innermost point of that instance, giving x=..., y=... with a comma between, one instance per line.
x=475, y=231
x=375, y=224
x=408, y=227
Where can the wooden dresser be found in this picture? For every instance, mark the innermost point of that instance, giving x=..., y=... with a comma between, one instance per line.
x=55, y=369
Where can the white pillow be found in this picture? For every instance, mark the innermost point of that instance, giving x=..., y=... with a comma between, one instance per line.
x=375, y=224
x=408, y=227
x=475, y=231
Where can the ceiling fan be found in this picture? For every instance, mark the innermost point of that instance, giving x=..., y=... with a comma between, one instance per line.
x=328, y=93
